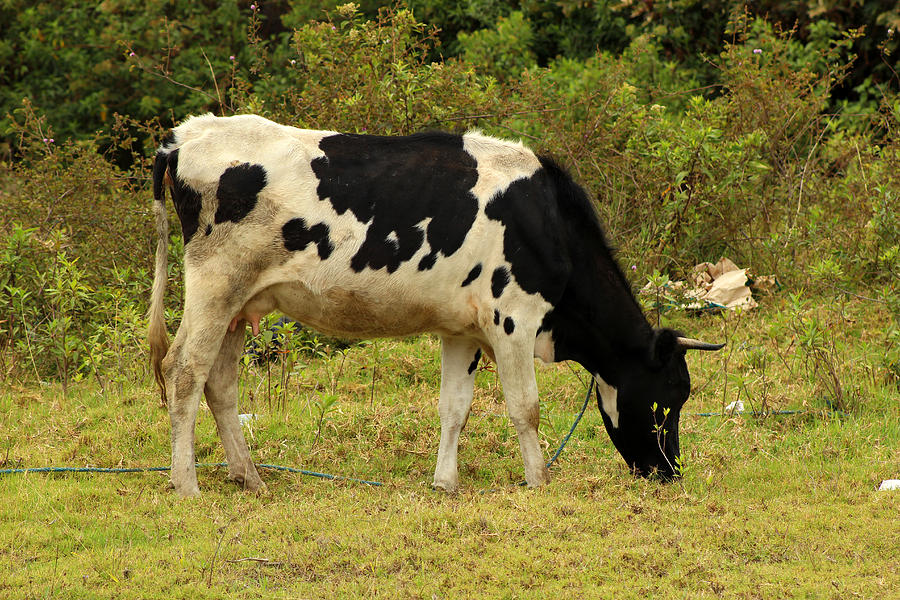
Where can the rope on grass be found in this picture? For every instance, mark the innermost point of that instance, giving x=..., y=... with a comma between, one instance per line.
x=315, y=474
x=587, y=398
x=552, y=460
x=755, y=413
x=82, y=470
x=199, y=465
x=266, y=466
x=761, y=413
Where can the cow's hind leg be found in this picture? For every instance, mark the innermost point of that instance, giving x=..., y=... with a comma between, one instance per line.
x=221, y=395
x=459, y=358
x=515, y=364
x=185, y=369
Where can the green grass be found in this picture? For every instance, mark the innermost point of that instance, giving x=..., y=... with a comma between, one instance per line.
x=770, y=507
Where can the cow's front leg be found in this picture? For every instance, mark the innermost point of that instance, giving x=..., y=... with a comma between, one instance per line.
x=515, y=365
x=221, y=396
x=459, y=359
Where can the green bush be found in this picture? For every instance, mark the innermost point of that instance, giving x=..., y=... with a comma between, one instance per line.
x=85, y=62
x=375, y=76
x=503, y=52
x=68, y=186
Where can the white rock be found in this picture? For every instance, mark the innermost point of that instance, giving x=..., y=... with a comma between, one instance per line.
x=889, y=484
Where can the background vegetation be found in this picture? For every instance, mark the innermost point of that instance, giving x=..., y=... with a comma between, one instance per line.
x=762, y=133
x=766, y=132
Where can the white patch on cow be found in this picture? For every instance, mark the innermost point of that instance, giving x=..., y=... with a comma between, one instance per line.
x=543, y=347
x=608, y=400
x=393, y=239
x=211, y=144
x=500, y=162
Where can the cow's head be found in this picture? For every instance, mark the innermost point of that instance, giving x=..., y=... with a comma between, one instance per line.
x=641, y=411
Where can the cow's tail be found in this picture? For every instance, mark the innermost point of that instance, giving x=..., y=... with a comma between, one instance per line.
x=156, y=332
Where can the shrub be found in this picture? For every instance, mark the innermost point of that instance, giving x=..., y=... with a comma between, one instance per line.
x=375, y=76
x=503, y=52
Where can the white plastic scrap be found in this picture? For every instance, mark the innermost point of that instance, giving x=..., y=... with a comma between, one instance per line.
x=889, y=484
x=247, y=417
x=735, y=407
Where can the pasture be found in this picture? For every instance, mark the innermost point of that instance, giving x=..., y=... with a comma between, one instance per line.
x=773, y=506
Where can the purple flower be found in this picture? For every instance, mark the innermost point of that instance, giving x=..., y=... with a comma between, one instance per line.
x=252, y=7
x=634, y=267
x=131, y=54
x=757, y=51
x=231, y=57
x=293, y=62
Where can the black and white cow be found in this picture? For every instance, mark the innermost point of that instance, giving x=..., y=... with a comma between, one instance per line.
x=473, y=238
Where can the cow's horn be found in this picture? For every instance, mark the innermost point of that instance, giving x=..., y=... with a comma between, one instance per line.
x=692, y=344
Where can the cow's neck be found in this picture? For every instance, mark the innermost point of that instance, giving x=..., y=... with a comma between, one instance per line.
x=597, y=321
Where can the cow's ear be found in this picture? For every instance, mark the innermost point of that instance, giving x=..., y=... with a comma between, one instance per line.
x=663, y=347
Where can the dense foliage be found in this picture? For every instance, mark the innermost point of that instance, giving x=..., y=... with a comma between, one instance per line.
x=762, y=139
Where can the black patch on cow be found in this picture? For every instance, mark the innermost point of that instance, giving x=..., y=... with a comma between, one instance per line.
x=380, y=252
x=534, y=213
x=186, y=199
x=238, y=189
x=297, y=236
x=208, y=229
x=395, y=183
x=499, y=280
x=474, y=364
x=427, y=261
x=595, y=314
x=496, y=317
x=509, y=325
x=169, y=138
x=159, y=172
x=473, y=275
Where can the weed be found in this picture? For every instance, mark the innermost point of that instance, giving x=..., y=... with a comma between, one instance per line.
x=324, y=404
x=819, y=355
x=659, y=429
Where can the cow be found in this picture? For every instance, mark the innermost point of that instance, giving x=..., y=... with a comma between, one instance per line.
x=478, y=240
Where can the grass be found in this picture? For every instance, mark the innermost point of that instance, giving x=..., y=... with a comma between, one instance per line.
x=770, y=507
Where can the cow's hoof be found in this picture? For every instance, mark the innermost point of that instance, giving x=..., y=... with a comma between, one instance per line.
x=539, y=478
x=248, y=484
x=254, y=486
x=449, y=487
x=186, y=491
